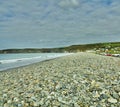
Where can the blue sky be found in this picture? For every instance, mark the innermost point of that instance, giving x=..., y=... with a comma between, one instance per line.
x=52, y=20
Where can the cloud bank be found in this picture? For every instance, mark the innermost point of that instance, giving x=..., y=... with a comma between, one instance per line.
x=58, y=19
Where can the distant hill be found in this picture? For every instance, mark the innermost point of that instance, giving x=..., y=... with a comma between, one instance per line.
x=73, y=48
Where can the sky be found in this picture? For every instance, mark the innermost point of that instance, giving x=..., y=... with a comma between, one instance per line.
x=55, y=23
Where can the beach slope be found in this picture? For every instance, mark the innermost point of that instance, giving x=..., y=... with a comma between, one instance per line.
x=77, y=80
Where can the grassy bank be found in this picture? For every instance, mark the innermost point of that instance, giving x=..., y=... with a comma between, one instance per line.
x=113, y=47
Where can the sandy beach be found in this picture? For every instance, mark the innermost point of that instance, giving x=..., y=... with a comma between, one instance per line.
x=76, y=80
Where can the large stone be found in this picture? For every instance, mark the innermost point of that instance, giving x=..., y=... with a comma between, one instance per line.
x=112, y=100
x=6, y=105
x=115, y=95
x=35, y=104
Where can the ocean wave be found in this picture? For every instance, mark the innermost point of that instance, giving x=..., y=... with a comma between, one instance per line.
x=48, y=56
x=16, y=60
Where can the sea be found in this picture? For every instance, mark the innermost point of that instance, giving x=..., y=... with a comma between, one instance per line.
x=8, y=61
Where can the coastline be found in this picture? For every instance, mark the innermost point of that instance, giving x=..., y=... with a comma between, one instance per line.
x=8, y=61
x=69, y=49
x=28, y=65
x=80, y=80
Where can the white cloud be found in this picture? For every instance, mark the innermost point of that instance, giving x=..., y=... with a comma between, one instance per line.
x=69, y=3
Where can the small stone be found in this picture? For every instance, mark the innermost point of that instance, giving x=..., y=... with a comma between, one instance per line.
x=6, y=105
x=117, y=89
x=41, y=102
x=15, y=99
x=76, y=105
x=26, y=105
x=60, y=99
x=119, y=93
x=19, y=105
x=112, y=106
x=64, y=93
x=58, y=87
x=53, y=94
x=74, y=76
x=96, y=95
x=47, y=103
x=103, y=96
x=33, y=98
x=38, y=89
x=31, y=77
x=56, y=103
x=22, y=102
x=9, y=101
x=49, y=97
x=115, y=95
x=99, y=105
x=4, y=95
x=35, y=104
x=112, y=100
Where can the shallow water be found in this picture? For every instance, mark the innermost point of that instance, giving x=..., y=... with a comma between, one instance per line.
x=8, y=61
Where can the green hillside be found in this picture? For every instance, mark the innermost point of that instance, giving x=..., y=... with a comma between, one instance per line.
x=111, y=46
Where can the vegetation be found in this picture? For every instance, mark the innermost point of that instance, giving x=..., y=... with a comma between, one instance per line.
x=112, y=47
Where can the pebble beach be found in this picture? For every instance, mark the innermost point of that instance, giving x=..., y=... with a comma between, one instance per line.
x=77, y=80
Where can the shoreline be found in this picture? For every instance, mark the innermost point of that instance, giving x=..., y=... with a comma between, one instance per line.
x=32, y=60
x=80, y=80
x=9, y=69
